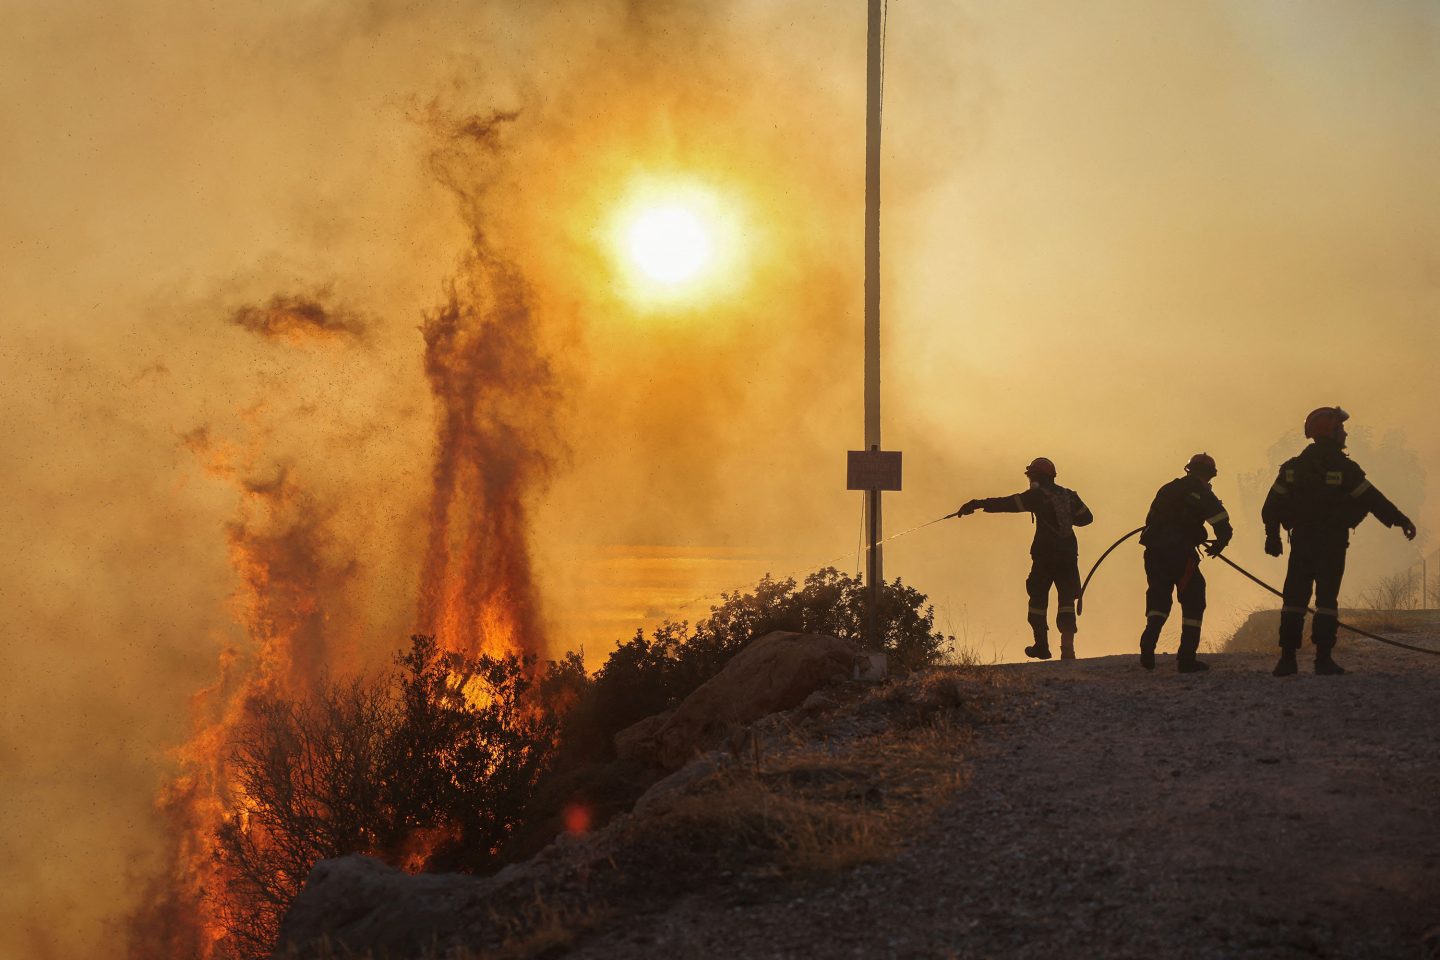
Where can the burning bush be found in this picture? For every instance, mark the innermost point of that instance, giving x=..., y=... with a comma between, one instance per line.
x=432, y=763
x=435, y=765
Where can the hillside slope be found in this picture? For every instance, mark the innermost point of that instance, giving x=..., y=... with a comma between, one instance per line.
x=1125, y=814
x=1081, y=809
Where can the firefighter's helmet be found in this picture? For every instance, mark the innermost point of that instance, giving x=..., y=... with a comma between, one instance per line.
x=1324, y=421
x=1041, y=468
x=1202, y=465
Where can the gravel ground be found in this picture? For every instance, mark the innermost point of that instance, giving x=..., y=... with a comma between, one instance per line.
x=1126, y=814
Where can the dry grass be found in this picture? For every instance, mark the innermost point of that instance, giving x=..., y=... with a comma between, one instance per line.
x=539, y=930
x=812, y=806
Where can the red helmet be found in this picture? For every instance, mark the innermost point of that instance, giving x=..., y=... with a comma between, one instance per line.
x=1203, y=465
x=1324, y=421
x=1041, y=468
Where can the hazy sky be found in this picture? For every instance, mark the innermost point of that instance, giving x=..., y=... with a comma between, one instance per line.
x=1115, y=233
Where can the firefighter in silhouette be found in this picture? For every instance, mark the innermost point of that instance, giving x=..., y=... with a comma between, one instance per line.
x=1054, y=510
x=1318, y=498
x=1174, y=531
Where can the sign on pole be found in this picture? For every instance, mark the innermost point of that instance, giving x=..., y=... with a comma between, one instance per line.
x=872, y=470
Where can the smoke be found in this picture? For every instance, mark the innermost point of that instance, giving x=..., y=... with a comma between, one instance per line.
x=1112, y=239
x=296, y=319
x=496, y=399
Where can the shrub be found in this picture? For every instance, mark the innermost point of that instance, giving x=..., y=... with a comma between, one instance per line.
x=646, y=675
x=436, y=761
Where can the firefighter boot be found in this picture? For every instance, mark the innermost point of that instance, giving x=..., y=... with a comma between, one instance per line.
x=1185, y=660
x=1148, y=639
x=1287, y=666
x=1067, y=645
x=1325, y=665
x=1040, y=649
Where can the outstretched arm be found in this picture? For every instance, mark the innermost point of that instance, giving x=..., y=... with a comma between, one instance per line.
x=1012, y=504
x=1377, y=503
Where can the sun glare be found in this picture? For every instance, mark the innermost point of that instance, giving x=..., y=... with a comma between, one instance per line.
x=674, y=243
x=669, y=244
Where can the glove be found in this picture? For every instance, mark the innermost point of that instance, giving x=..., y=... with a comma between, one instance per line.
x=1407, y=528
x=1214, y=547
x=969, y=507
x=1272, y=543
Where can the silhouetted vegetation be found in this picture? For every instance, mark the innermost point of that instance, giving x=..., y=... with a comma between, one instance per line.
x=647, y=675
x=434, y=761
x=439, y=764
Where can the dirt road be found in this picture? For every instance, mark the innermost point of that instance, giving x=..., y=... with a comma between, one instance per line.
x=1125, y=814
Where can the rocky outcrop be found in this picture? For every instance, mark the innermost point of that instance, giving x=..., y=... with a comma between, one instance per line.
x=776, y=672
x=358, y=903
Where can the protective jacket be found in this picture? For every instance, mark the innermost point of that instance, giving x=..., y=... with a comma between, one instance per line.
x=1179, y=513
x=1056, y=512
x=1324, y=488
x=1319, y=497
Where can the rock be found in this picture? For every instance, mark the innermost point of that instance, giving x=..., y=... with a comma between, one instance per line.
x=661, y=794
x=1430, y=944
x=635, y=744
x=775, y=672
x=360, y=904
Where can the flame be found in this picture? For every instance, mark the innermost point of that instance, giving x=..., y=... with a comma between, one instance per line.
x=277, y=549
x=494, y=396
x=489, y=379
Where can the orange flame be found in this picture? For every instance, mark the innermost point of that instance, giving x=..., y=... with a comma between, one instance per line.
x=494, y=397
x=477, y=593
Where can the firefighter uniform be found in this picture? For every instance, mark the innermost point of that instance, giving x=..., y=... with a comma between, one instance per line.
x=1174, y=531
x=1319, y=497
x=1054, y=554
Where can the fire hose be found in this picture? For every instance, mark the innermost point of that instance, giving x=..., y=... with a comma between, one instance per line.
x=1079, y=601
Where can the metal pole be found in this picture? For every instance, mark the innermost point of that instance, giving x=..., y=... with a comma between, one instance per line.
x=874, y=573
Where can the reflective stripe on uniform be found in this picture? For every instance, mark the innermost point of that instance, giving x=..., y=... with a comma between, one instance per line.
x=1018, y=502
x=1156, y=613
x=1067, y=608
x=1222, y=515
x=1037, y=611
x=1279, y=488
x=1324, y=612
x=1289, y=609
x=1361, y=488
x=1190, y=622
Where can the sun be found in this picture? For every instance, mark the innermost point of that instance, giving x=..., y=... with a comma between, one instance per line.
x=670, y=243
x=675, y=243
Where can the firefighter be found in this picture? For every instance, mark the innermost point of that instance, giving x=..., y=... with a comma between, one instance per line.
x=1174, y=531
x=1053, y=553
x=1318, y=498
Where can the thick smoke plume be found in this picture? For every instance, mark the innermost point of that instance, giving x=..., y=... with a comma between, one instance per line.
x=495, y=398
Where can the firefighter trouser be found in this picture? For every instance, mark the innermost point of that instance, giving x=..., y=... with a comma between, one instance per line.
x=1173, y=569
x=1064, y=574
x=1317, y=560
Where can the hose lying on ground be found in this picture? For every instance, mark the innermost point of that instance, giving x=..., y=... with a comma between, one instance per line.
x=1364, y=633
